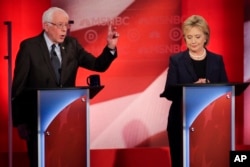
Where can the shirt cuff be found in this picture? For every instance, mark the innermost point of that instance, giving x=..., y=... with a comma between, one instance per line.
x=112, y=51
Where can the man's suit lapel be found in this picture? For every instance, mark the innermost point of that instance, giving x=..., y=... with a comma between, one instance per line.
x=46, y=56
x=63, y=55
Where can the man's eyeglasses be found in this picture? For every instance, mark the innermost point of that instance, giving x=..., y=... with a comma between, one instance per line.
x=60, y=25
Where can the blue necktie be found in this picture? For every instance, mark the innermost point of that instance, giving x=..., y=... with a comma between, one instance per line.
x=55, y=63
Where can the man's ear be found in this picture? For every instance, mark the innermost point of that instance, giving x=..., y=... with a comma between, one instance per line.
x=45, y=26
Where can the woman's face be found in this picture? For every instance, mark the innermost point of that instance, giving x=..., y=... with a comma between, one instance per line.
x=195, y=39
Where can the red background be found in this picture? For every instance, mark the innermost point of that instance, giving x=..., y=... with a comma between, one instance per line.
x=225, y=17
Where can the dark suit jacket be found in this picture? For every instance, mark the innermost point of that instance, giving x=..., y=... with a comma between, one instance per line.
x=33, y=67
x=181, y=71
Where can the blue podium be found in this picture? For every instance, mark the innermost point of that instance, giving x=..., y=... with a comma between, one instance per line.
x=209, y=123
x=61, y=119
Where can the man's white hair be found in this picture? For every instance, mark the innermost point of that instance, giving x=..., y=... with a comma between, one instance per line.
x=48, y=14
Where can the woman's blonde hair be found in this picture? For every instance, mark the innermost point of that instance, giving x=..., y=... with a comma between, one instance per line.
x=196, y=21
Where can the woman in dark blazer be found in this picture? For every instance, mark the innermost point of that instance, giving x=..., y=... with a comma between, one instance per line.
x=194, y=65
x=33, y=67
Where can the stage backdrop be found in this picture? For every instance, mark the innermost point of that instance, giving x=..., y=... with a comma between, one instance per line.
x=128, y=112
x=247, y=71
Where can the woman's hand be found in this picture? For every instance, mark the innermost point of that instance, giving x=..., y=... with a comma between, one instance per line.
x=202, y=80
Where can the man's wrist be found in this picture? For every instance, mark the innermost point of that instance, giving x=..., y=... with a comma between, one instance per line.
x=112, y=49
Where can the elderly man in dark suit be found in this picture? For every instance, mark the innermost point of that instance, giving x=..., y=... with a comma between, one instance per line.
x=51, y=60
